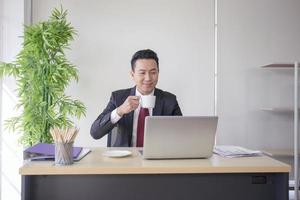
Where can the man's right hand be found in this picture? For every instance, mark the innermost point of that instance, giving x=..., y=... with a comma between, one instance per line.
x=130, y=104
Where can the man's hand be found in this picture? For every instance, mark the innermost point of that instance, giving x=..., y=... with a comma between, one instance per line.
x=130, y=104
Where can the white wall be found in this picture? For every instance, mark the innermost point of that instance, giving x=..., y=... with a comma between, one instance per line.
x=251, y=34
x=11, y=28
x=110, y=31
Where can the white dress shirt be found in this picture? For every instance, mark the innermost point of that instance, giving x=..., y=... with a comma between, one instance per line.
x=114, y=117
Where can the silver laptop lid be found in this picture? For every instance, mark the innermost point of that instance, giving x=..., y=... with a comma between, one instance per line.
x=179, y=137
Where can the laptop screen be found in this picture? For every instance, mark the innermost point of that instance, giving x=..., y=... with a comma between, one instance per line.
x=168, y=137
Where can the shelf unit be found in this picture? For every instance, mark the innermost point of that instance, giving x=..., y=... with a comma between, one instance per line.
x=295, y=150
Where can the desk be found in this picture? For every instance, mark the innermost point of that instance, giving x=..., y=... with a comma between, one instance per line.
x=98, y=177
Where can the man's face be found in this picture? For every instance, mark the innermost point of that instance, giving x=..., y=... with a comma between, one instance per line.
x=145, y=75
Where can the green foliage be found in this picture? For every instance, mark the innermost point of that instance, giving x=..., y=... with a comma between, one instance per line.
x=42, y=73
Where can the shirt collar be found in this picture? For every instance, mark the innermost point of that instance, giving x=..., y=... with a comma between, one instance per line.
x=137, y=93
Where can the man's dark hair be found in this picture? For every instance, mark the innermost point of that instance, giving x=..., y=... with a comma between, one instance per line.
x=144, y=54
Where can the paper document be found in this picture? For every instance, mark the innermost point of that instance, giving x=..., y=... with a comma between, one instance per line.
x=83, y=153
x=230, y=151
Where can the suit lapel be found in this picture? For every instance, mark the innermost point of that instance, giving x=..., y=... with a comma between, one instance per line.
x=157, y=110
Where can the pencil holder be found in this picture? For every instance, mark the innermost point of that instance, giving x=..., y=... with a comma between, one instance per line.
x=63, y=153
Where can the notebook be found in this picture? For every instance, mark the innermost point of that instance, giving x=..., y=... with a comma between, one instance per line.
x=176, y=137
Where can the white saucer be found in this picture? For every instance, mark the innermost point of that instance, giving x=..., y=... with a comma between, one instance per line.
x=116, y=153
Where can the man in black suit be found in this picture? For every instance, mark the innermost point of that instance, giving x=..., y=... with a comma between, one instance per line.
x=123, y=108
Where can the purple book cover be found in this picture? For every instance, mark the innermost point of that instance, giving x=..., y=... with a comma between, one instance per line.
x=49, y=149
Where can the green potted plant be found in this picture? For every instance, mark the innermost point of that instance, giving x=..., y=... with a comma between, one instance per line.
x=42, y=73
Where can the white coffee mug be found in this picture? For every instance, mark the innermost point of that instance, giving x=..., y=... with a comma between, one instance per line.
x=147, y=101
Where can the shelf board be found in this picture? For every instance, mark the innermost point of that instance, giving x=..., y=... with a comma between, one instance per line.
x=280, y=110
x=279, y=66
x=280, y=152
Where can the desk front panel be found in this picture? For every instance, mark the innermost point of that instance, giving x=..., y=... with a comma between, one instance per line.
x=228, y=186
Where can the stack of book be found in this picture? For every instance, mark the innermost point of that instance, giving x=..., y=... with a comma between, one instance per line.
x=45, y=151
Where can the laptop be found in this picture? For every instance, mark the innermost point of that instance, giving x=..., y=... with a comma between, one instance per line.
x=178, y=137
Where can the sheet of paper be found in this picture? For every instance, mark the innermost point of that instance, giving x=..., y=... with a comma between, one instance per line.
x=83, y=153
x=231, y=151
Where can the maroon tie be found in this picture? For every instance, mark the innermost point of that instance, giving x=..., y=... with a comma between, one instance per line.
x=140, y=127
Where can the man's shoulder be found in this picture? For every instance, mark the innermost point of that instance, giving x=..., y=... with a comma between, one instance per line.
x=165, y=94
x=122, y=91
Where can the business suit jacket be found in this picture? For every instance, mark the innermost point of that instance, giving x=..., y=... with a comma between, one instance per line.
x=165, y=104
